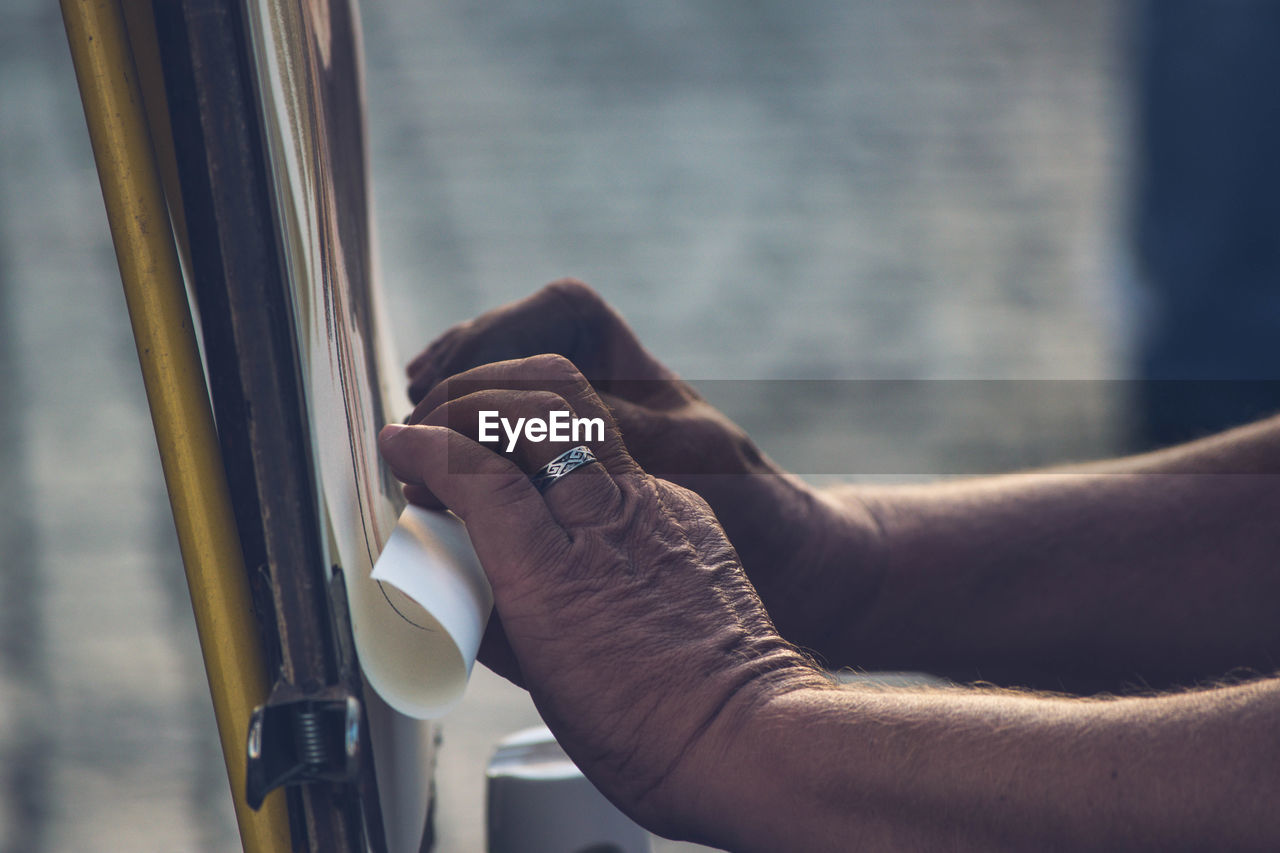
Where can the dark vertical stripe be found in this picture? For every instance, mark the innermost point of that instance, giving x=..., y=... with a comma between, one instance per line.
x=24, y=781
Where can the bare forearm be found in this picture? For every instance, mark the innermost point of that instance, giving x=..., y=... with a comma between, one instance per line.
x=1161, y=568
x=960, y=769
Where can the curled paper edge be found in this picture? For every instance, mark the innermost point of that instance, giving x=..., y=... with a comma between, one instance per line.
x=418, y=618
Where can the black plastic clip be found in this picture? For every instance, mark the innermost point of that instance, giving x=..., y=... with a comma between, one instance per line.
x=299, y=737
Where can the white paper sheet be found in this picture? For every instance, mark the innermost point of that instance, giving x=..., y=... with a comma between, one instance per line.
x=417, y=630
x=431, y=577
x=401, y=629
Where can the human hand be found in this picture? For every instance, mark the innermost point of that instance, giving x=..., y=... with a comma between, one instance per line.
x=789, y=537
x=626, y=612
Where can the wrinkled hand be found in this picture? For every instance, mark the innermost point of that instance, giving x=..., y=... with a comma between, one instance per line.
x=781, y=528
x=627, y=614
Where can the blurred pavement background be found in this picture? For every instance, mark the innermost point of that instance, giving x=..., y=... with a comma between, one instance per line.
x=840, y=189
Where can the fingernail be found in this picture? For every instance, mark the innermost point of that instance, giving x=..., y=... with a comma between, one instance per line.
x=390, y=431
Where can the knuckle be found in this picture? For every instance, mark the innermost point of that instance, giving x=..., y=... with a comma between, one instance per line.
x=581, y=299
x=574, y=291
x=553, y=366
x=545, y=401
x=508, y=489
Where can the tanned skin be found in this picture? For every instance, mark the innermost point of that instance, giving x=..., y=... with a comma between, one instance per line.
x=654, y=605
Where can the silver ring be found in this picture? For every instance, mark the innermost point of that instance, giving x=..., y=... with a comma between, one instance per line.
x=565, y=463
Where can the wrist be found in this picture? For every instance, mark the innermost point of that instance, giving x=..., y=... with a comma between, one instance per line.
x=728, y=774
x=825, y=567
x=751, y=771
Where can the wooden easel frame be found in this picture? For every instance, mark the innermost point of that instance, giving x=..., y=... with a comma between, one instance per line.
x=242, y=494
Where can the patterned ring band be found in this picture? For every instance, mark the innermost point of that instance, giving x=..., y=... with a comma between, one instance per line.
x=570, y=460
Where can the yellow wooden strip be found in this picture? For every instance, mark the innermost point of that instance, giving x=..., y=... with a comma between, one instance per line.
x=180, y=410
x=140, y=26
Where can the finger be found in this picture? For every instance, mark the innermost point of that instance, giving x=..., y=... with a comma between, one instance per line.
x=510, y=525
x=499, y=418
x=559, y=318
x=565, y=317
x=533, y=448
x=423, y=497
x=437, y=348
x=545, y=372
x=557, y=373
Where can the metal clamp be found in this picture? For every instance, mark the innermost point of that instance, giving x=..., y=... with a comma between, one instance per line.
x=299, y=737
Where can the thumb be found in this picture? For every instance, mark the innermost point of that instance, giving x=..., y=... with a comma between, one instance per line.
x=507, y=519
